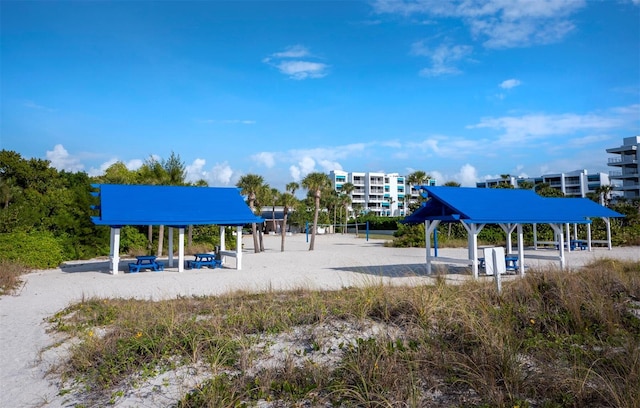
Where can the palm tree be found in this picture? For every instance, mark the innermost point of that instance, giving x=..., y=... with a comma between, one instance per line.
x=292, y=187
x=345, y=201
x=604, y=193
x=315, y=183
x=414, y=179
x=249, y=185
x=263, y=197
x=287, y=200
x=452, y=184
x=346, y=190
x=273, y=196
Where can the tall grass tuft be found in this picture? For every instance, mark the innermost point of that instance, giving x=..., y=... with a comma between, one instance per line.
x=10, y=273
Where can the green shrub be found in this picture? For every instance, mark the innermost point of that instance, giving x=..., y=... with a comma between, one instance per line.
x=34, y=250
x=132, y=240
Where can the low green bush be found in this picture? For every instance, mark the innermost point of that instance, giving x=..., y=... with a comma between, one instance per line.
x=35, y=250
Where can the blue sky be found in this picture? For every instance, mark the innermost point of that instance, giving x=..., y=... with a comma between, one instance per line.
x=460, y=89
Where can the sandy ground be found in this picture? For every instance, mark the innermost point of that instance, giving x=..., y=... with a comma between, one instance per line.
x=338, y=261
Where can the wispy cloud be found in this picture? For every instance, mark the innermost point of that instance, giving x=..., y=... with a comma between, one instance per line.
x=294, y=51
x=498, y=23
x=539, y=126
x=510, y=83
x=444, y=57
x=297, y=63
x=33, y=105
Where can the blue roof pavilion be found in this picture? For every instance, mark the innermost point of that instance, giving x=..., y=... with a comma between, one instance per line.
x=173, y=206
x=509, y=208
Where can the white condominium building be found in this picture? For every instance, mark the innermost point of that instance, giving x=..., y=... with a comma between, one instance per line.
x=576, y=183
x=380, y=193
x=627, y=176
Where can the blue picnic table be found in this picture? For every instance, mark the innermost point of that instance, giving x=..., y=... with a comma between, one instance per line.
x=578, y=243
x=511, y=261
x=204, y=260
x=146, y=262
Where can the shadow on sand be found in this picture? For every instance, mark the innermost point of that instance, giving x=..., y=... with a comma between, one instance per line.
x=406, y=270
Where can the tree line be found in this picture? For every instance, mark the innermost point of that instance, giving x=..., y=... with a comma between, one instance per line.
x=45, y=214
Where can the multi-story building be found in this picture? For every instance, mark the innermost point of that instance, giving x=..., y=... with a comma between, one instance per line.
x=627, y=175
x=380, y=193
x=576, y=183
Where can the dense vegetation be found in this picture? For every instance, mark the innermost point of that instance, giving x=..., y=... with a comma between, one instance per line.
x=551, y=339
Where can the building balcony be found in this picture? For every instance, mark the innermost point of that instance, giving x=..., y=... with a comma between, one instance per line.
x=626, y=174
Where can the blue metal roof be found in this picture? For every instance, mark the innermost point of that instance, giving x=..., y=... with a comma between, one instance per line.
x=122, y=204
x=496, y=206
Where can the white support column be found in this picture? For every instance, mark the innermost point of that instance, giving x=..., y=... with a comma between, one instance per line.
x=558, y=229
x=508, y=229
x=473, y=230
x=535, y=237
x=222, y=238
x=568, y=232
x=181, y=249
x=429, y=227
x=239, y=247
x=589, y=236
x=114, y=257
x=427, y=245
x=520, y=250
x=607, y=221
x=575, y=231
x=170, y=246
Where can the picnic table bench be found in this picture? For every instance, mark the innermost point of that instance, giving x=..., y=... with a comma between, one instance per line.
x=146, y=262
x=578, y=243
x=204, y=260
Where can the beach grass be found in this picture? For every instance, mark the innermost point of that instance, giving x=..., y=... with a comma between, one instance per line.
x=10, y=273
x=551, y=339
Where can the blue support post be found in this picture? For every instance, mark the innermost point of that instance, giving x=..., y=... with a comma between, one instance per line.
x=435, y=242
x=367, y=231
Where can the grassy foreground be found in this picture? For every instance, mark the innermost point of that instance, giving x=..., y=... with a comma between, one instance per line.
x=551, y=339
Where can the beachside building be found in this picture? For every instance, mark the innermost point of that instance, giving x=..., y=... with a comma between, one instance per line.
x=576, y=183
x=384, y=194
x=627, y=174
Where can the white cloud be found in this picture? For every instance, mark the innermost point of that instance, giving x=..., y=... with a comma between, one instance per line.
x=295, y=173
x=467, y=176
x=499, y=23
x=220, y=174
x=62, y=160
x=297, y=63
x=294, y=51
x=195, y=171
x=265, y=158
x=510, y=83
x=302, y=69
x=134, y=164
x=305, y=166
x=444, y=57
x=328, y=165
